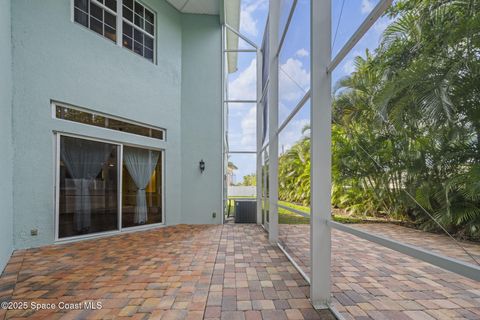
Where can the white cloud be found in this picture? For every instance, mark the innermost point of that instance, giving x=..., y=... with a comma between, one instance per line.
x=292, y=134
x=249, y=129
x=348, y=66
x=294, y=80
x=244, y=87
x=248, y=22
x=381, y=25
x=301, y=53
x=367, y=6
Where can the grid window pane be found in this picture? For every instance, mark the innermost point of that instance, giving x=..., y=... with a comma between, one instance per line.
x=149, y=16
x=148, y=54
x=138, y=36
x=128, y=3
x=81, y=17
x=96, y=11
x=127, y=14
x=139, y=30
x=138, y=48
x=127, y=30
x=110, y=33
x=148, y=42
x=110, y=20
x=82, y=5
x=138, y=21
x=149, y=28
x=96, y=25
x=97, y=17
x=111, y=4
x=127, y=42
x=139, y=9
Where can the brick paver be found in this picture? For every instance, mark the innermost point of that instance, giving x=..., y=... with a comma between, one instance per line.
x=373, y=282
x=181, y=272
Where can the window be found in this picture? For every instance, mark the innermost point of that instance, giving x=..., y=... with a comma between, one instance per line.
x=103, y=121
x=137, y=29
x=97, y=15
x=97, y=193
x=141, y=187
x=87, y=201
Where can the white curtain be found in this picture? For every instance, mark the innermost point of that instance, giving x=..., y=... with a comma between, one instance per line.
x=140, y=164
x=84, y=160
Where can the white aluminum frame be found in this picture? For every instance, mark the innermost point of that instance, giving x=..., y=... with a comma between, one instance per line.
x=223, y=138
x=320, y=153
x=241, y=36
x=321, y=68
x=120, y=229
x=376, y=13
x=242, y=152
x=459, y=267
x=225, y=106
x=266, y=195
x=293, y=113
x=273, y=23
x=287, y=26
x=259, y=135
x=240, y=101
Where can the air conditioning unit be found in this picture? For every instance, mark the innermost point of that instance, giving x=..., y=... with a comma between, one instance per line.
x=245, y=211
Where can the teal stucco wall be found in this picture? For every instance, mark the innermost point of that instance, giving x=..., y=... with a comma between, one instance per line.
x=55, y=59
x=6, y=206
x=201, y=119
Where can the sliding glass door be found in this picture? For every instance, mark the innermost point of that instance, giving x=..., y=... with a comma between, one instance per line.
x=98, y=192
x=88, y=200
x=142, y=187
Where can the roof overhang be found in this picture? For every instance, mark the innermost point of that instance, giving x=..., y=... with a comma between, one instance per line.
x=228, y=12
x=232, y=18
x=211, y=7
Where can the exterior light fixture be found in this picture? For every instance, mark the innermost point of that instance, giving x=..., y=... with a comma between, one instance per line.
x=202, y=166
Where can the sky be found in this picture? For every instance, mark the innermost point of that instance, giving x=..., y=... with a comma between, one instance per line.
x=294, y=70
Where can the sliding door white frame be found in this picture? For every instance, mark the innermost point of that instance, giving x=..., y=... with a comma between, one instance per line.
x=120, y=229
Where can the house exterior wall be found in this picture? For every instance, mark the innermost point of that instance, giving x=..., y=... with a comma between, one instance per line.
x=201, y=119
x=57, y=59
x=6, y=208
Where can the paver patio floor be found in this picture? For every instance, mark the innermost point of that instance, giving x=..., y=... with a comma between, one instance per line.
x=373, y=282
x=181, y=272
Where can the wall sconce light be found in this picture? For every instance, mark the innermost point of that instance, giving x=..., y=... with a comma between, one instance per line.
x=202, y=166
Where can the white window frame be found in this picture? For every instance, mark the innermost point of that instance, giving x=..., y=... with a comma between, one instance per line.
x=122, y=19
x=120, y=229
x=119, y=27
x=56, y=104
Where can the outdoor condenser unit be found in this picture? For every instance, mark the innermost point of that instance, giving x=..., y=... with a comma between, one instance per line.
x=245, y=211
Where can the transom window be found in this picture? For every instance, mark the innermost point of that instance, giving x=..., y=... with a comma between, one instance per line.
x=104, y=121
x=126, y=22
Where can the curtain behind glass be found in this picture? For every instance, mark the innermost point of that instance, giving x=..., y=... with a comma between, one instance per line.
x=140, y=164
x=84, y=160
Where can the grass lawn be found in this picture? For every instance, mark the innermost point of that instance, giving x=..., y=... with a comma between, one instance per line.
x=287, y=217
